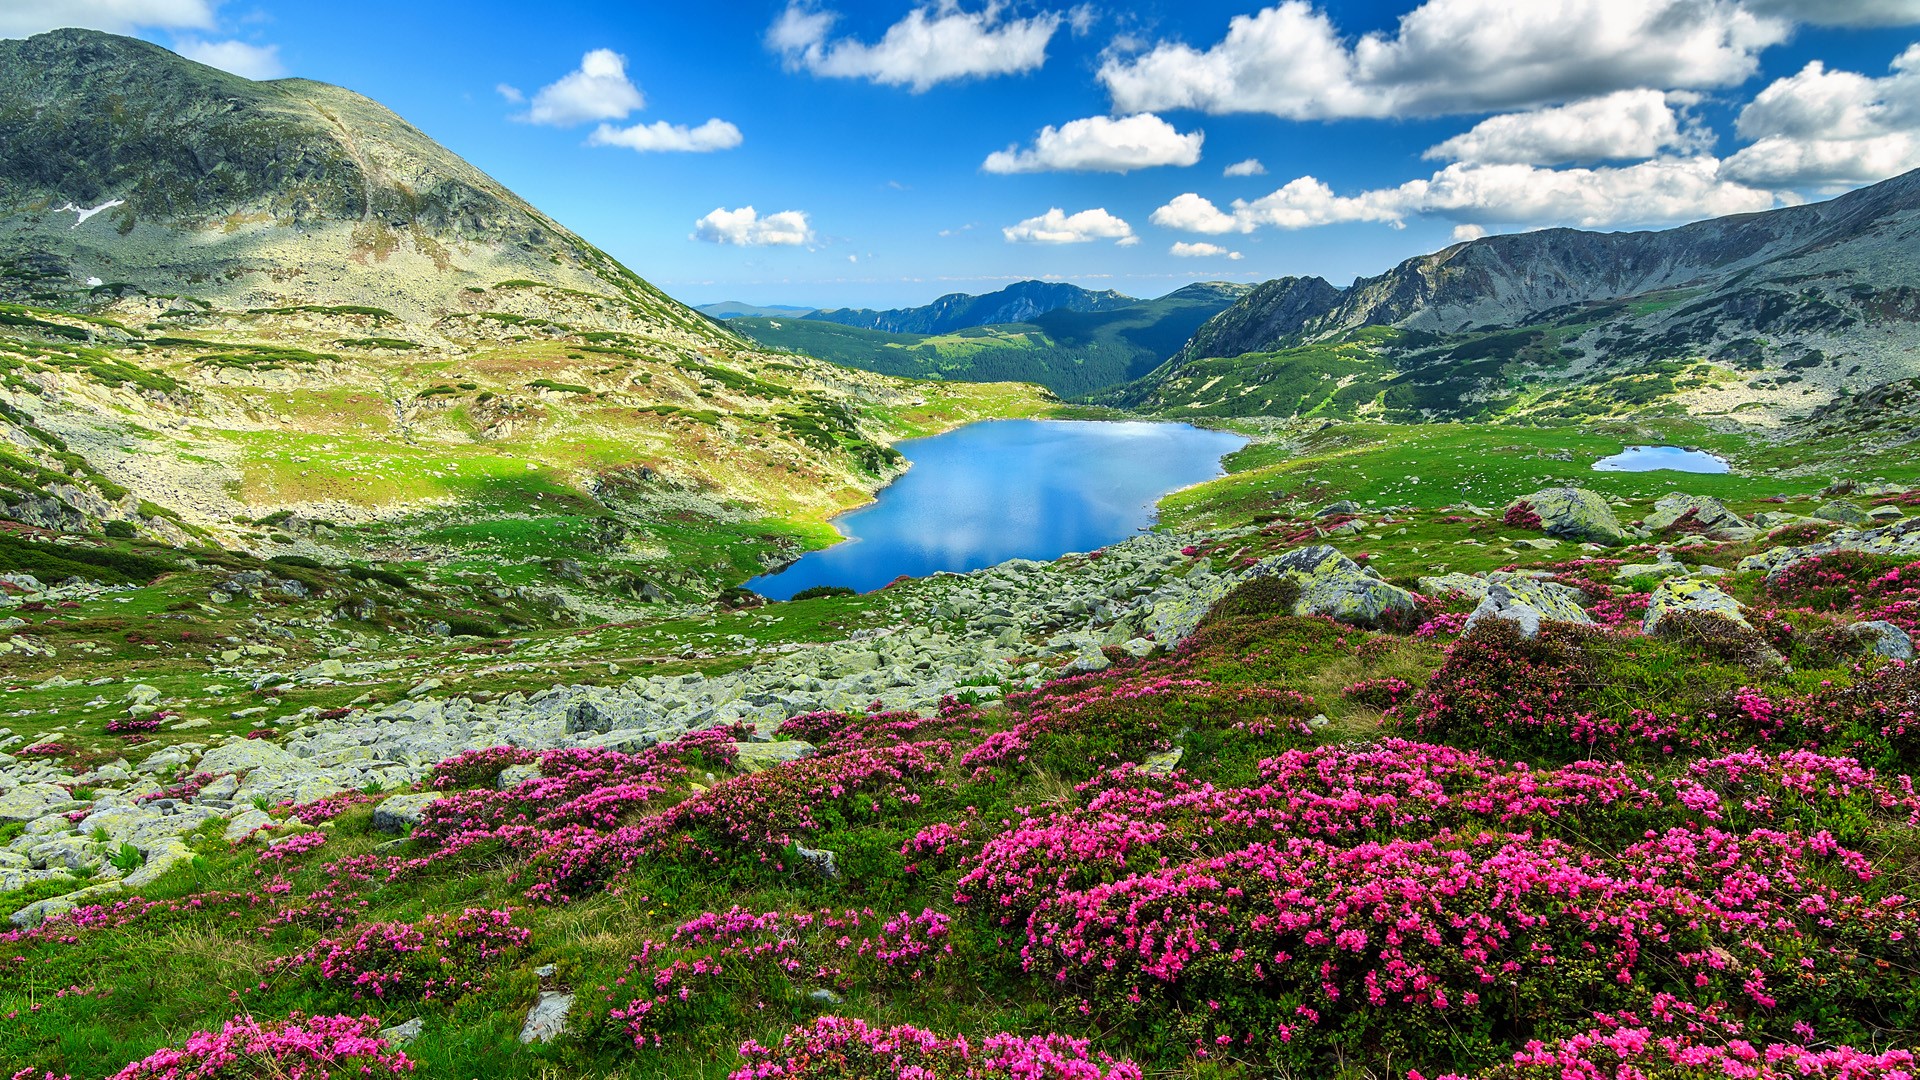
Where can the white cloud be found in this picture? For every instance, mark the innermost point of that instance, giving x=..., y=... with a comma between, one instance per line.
x=1202, y=251
x=1821, y=128
x=509, y=92
x=1448, y=56
x=238, y=57
x=936, y=42
x=1622, y=125
x=1101, y=144
x=1249, y=167
x=597, y=90
x=1058, y=227
x=1464, y=233
x=1191, y=213
x=1842, y=12
x=24, y=19
x=745, y=227
x=662, y=136
x=1662, y=191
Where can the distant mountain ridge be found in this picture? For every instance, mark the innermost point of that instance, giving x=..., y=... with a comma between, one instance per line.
x=734, y=309
x=1804, y=304
x=1018, y=302
x=1071, y=352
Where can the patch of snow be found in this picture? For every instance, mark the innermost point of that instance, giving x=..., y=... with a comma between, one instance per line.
x=94, y=283
x=86, y=213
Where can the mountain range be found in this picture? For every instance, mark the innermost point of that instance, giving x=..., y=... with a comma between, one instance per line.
x=1769, y=315
x=1090, y=342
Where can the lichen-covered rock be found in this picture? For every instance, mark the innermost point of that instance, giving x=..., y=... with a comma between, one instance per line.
x=1692, y=596
x=1901, y=539
x=1573, y=514
x=1844, y=513
x=29, y=801
x=398, y=813
x=1528, y=603
x=1335, y=586
x=1709, y=513
x=243, y=755
x=753, y=757
x=1882, y=638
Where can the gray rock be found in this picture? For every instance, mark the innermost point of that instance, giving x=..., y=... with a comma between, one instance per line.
x=1842, y=512
x=1882, y=638
x=1527, y=603
x=399, y=1035
x=1335, y=586
x=548, y=1017
x=1344, y=506
x=243, y=755
x=26, y=802
x=753, y=757
x=398, y=813
x=819, y=860
x=1162, y=764
x=244, y=823
x=1713, y=515
x=1575, y=514
x=1693, y=596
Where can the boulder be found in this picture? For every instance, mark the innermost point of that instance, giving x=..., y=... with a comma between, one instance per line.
x=244, y=755
x=245, y=823
x=1528, y=603
x=1573, y=513
x=399, y=813
x=1882, y=638
x=1842, y=512
x=548, y=1017
x=1692, y=596
x=1900, y=539
x=1335, y=586
x=754, y=757
x=1711, y=514
x=819, y=860
x=29, y=801
x=1344, y=506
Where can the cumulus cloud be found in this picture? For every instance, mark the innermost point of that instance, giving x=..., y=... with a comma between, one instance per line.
x=1825, y=129
x=1058, y=227
x=1448, y=56
x=1101, y=144
x=745, y=227
x=1249, y=167
x=1842, y=12
x=238, y=57
x=661, y=136
x=935, y=43
x=1661, y=191
x=18, y=19
x=1191, y=213
x=1623, y=125
x=1463, y=233
x=597, y=90
x=1202, y=251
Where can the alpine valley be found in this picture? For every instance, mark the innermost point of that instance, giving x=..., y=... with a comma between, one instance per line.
x=382, y=697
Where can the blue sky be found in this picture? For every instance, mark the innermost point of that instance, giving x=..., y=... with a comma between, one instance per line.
x=893, y=151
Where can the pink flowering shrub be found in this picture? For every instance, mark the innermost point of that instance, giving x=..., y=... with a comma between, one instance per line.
x=836, y=1048
x=441, y=956
x=297, y=1048
x=1863, y=587
x=1685, y=1043
x=477, y=768
x=718, y=964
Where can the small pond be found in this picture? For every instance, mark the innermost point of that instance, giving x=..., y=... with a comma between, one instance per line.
x=1008, y=489
x=1649, y=458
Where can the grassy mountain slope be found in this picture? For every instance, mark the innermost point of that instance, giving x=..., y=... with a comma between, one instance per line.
x=1070, y=352
x=291, y=306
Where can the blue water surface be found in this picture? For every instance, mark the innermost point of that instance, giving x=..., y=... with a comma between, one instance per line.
x=1649, y=458
x=1006, y=489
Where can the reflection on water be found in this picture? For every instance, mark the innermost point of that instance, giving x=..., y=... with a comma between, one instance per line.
x=986, y=493
x=1649, y=458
